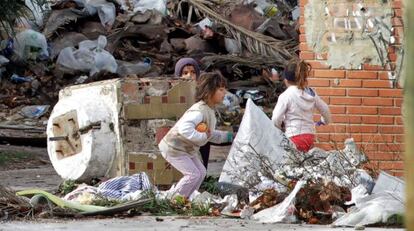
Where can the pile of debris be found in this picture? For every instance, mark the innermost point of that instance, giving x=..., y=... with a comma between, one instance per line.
x=85, y=41
x=268, y=181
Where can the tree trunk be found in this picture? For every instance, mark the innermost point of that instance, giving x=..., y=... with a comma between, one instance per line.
x=409, y=113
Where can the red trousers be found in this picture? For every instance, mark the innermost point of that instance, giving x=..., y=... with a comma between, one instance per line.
x=303, y=142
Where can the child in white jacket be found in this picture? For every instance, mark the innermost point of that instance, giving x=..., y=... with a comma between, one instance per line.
x=181, y=145
x=295, y=107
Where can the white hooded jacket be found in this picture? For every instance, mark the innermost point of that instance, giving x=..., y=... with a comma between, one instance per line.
x=295, y=107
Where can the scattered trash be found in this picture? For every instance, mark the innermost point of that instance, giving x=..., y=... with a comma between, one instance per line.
x=283, y=212
x=34, y=111
x=124, y=187
x=90, y=56
x=20, y=79
x=31, y=44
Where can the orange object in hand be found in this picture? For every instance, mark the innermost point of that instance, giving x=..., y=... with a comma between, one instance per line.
x=201, y=127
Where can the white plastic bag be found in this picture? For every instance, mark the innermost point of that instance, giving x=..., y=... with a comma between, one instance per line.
x=144, y=5
x=282, y=212
x=28, y=39
x=373, y=209
x=90, y=56
x=106, y=10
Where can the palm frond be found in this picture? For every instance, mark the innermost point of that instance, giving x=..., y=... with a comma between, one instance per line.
x=11, y=12
x=253, y=42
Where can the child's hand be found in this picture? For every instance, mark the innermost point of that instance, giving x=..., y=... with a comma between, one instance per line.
x=208, y=132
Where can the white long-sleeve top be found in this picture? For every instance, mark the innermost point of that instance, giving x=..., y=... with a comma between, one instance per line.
x=295, y=108
x=184, y=139
x=186, y=128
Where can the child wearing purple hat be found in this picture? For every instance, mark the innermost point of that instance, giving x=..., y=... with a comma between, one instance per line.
x=187, y=68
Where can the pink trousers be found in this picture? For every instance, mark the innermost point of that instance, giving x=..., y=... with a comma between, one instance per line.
x=193, y=172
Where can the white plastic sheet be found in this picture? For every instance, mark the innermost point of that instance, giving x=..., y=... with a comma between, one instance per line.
x=257, y=142
x=373, y=209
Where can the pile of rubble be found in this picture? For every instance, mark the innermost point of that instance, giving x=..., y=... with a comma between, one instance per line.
x=79, y=41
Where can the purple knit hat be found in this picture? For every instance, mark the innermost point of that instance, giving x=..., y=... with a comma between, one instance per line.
x=184, y=62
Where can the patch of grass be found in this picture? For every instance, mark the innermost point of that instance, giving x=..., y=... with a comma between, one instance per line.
x=176, y=206
x=200, y=209
x=210, y=185
x=67, y=186
x=396, y=220
x=13, y=157
x=105, y=202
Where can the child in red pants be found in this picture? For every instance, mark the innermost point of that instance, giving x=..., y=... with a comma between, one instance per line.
x=295, y=106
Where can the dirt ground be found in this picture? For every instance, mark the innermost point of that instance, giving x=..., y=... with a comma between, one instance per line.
x=29, y=167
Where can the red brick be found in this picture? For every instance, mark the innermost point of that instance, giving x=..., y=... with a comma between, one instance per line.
x=377, y=102
x=325, y=99
x=399, y=31
x=346, y=119
x=391, y=56
x=383, y=75
x=368, y=147
x=397, y=173
x=323, y=137
x=370, y=67
x=391, y=129
x=331, y=128
x=318, y=65
x=399, y=138
x=397, y=22
x=395, y=93
x=398, y=13
x=384, y=156
x=342, y=137
x=303, y=2
x=302, y=29
x=131, y=165
x=337, y=109
x=377, y=138
x=390, y=147
x=377, y=120
x=302, y=37
x=363, y=110
x=318, y=82
x=399, y=120
x=362, y=75
x=397, y=4
x=330, y=91
x=390, y=111
x=323, y=56
x=362, y=92
x=130, y=91
x=305, y=55
x=362, y=128
x=330, y=73
x=304, y=47
x=326, y=146
x=376, y=84
x=398, y=102
x=347, y=83
x=391, y=165
x=345, y=101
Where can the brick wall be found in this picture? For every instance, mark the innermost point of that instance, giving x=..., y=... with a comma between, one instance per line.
x=363, y=103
